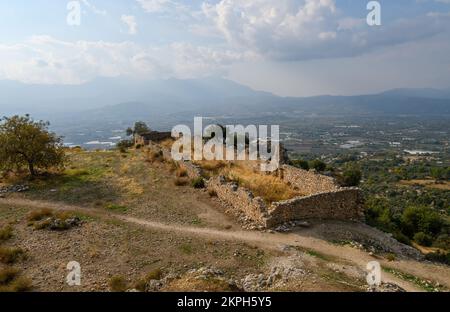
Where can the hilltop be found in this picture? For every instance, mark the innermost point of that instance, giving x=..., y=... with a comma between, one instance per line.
x=139, y=228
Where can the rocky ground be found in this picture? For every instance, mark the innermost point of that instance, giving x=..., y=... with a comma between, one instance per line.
x=123, y=219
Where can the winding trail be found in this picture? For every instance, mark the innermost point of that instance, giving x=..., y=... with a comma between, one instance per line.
x=275, y=241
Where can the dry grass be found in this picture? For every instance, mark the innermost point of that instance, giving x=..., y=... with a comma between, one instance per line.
x=167, y=143
x=182, y=172
x=7, y=275
x=118, y=284
x=181, y=181
x=10, y=281
x=129, y=185
x=212, y=166
x=153, y=156
x=6, y=233
x=38, y=215
x=20, y=284
x=431, y=184
x=42, y=219
x=142, y=283
x=270, y=188
x=10, y=255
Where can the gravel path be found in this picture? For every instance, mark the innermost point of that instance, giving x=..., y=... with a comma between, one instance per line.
x=276, y=241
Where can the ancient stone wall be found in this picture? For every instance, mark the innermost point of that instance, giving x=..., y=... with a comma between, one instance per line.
x=343, y=204
x=307, y=182
x=323, y=198
x=193, y=171
x=241, y=199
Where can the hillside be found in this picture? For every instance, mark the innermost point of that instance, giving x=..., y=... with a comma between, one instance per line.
x=138, y=229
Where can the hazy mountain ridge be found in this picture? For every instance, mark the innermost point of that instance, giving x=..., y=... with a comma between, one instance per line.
x=112, y=99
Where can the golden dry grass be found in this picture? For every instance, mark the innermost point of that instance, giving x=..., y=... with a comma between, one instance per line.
x=167, y=143
x=6, y=233
x=213, y=166
x=270, y=188
x=427, y=183
x=182, y=172
x=181, y=181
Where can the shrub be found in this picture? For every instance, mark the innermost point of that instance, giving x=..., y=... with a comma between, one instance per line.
x=115, y=207
x=402, y=238
x=212, y=165
x=391, y=257
x=186, y=248
x=11, y=255
x=124, y=145
x=442, y=241
x=423, y=239
x=439, y=256
x=421, y=219
x=212, y=193
x=20, y=284
x=198, y=183
x=318, y=165
x=7, y=275
x=6, y=233
x=118, y=284
x=181, y=182
x=154, y=275
x=182, y=172
x=299, y=163
x=156, y=156
x=350, y=177
x=38, y=215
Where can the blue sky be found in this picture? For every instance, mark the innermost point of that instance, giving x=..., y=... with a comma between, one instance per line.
x=289, y=47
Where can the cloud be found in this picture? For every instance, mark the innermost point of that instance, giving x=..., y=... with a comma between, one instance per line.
x=192, y=61
x=152, y=6
x=131, y=23
x=93, y=8
x=296, y=30
x=47, y=60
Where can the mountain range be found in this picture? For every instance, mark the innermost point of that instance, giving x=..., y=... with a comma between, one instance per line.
x=120, y=99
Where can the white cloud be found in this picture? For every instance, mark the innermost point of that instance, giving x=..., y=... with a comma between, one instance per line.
x=192, y=61
x=309, y=29
x=131, y=23
x=152, y=6
x=47, y=60
x=93, y=8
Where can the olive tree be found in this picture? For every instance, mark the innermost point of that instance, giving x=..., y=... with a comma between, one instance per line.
x=25, y=143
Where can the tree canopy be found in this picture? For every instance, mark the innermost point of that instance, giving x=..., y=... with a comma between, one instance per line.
x=28, y=143
x=140, y=128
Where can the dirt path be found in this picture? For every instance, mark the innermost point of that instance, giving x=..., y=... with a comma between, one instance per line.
x=347, y=254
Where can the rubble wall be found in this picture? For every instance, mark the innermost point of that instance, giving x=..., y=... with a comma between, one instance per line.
x=343, y=204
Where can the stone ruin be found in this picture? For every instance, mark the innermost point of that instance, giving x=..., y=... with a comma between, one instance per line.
x=323, y=199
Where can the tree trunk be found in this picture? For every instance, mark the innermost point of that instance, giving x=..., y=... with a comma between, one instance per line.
x=31, y=168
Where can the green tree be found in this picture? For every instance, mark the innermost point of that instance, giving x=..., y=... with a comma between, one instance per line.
x=438, y=173
x=318, y=165
x=140, y=128
x=299, y=163
x=28, y=143
x=350, y=177
x=421, y=219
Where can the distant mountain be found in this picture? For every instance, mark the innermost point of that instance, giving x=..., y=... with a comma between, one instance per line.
x=112, y=100
x=16, y=97
x=421, y=93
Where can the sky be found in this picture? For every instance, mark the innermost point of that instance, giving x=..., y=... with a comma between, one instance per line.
x=287, y=47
